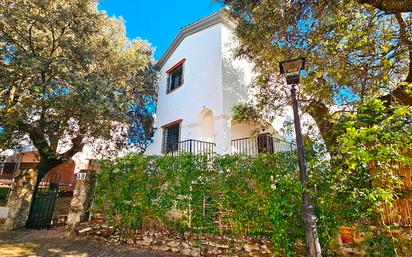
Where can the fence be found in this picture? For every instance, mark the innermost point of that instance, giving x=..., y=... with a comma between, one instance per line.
x=401, y=210
x=192, y=146
x=261, y=144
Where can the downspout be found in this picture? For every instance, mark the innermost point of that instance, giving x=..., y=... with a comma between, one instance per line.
x=2, y=166
x=17, y=167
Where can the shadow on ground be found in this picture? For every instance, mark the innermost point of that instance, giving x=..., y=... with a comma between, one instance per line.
x=50, y=243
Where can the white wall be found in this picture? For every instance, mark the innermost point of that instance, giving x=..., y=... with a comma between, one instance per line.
x=243, y=130
x=206, y=126
x=201, y=88
x=237, y=73
x=213, y=80
x=4, y=211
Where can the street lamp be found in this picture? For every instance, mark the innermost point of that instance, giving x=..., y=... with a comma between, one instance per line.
x=291, y=69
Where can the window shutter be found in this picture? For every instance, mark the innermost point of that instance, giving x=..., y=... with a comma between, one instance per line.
x=164, y=143
x=182, y=75
x=168, y=83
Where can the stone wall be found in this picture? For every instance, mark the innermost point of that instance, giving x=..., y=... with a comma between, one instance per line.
x=20, y=197
x=81, y=201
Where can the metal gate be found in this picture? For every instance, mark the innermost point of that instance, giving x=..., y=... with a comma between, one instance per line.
x=41, y=210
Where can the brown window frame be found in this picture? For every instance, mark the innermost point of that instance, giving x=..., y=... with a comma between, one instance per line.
x=165, y=137
x=170, y=72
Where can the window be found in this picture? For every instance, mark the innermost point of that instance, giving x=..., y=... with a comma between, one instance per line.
x=175, y=76
x=171, y=135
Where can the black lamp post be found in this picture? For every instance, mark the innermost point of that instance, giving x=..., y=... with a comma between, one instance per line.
x=292, y=70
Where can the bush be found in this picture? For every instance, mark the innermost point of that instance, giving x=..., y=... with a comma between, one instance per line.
x=238, y=195
x=3, y=193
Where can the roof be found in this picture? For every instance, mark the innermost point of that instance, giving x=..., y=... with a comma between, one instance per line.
x=221, y=16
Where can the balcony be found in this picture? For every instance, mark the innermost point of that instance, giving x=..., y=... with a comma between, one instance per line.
x=262, y=144
x=191, y=146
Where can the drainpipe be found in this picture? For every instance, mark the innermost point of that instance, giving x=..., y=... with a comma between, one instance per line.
x=2, y=166
x=18, y=164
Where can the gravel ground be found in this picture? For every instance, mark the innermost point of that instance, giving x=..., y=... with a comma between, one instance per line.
x=52, y=243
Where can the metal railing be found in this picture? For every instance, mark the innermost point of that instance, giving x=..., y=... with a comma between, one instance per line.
x=262, y=144
x=191, y=146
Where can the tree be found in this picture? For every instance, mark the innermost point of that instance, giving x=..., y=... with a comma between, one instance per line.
x=141, y=131
x=355, y=50
x=68, y=76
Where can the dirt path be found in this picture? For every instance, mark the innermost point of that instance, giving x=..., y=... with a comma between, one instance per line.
x=36, y=243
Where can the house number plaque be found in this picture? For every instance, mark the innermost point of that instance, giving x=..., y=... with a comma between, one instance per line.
x=81, y=176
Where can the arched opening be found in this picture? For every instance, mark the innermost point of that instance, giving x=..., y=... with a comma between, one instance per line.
x=206, y=126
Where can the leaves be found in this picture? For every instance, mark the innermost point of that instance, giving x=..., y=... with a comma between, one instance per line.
x=230, y=194
x=354, y=50
x=376, y=142
x=69, y=75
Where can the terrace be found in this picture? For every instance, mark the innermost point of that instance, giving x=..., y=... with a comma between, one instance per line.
x=261, y=144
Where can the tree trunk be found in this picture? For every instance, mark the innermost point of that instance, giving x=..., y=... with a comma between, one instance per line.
x=389, y=6
x=320, y=113
x=409, y=77
x=45, y=165
x=401, y=94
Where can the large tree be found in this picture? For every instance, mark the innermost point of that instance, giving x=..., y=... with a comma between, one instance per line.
x=68, y=76
x=354, y=49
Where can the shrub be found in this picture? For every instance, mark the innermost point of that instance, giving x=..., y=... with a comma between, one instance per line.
x=3, y=193
x=238, y=195
x=253, y=196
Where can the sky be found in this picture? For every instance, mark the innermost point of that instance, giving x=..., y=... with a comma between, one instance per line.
x=158, y=21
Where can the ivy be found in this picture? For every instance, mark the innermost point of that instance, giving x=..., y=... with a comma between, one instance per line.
x=237, y=195
x=260, y=196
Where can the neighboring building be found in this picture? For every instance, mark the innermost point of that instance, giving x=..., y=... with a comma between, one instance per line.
x=200, y=82
x=30, y=159
x=25, y=156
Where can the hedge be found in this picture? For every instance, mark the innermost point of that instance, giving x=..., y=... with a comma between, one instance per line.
x=235, y=195
x=239, y=195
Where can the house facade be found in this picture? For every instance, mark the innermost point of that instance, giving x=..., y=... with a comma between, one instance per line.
x=200, y=82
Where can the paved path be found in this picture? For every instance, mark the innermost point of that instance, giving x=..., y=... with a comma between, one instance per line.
x=42, y=243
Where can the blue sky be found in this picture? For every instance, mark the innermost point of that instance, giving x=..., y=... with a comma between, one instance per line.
x=158, y=21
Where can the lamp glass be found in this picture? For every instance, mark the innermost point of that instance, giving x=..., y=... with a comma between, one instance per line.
x=292, y=67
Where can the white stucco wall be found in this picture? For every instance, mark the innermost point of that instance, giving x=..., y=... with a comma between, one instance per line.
x=214, y=80
x=237, y=73
x=4, y=211
x=201, y=89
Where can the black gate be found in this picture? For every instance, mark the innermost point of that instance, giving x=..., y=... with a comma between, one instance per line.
x=41, y=210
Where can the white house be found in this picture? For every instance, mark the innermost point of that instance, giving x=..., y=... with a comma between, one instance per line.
x=200, y=82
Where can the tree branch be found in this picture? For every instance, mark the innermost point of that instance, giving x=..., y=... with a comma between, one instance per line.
x=401, y=94
x=77, y=146
x=402, y=31
x=320, y=113
x=389, y=6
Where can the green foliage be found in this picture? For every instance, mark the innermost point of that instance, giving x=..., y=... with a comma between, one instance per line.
x=3, y=193
x=68, y=75
x=354, y=50
x=379, y=246
x=245, y=113
x=375, y=143
x=239, y=195
x=255, y=196
x=361, y=176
